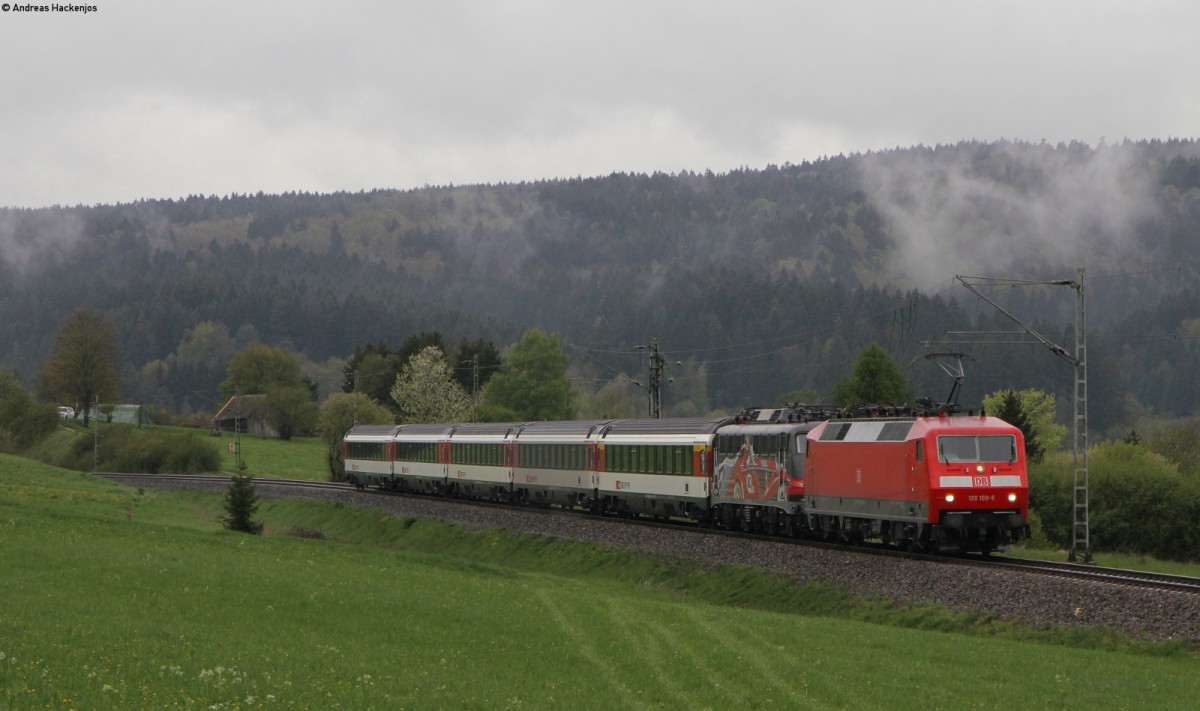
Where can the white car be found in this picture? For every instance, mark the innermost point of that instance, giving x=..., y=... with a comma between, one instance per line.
x=66, y=413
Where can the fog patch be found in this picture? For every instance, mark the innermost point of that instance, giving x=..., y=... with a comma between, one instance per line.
x=1005, y=208
x=32, y=239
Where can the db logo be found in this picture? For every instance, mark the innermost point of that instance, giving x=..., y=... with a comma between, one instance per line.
x=982, y=481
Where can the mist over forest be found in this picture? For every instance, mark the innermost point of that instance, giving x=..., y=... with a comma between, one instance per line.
x=755, y=282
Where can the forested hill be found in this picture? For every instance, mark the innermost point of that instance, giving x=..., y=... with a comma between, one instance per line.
x=758, y=282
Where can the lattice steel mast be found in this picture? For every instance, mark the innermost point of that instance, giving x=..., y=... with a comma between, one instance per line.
x=1080, y=530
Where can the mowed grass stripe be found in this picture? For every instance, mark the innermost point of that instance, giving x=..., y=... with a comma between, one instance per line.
x=580, y=625
x=757, y=657
x=637, y=624
x=667, y=633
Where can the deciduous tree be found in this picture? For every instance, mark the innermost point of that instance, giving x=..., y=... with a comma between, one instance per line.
x=1032, y=412
x=258, y=367
x=82, y=369
x=291, y=410
x=532, y=383
x=425, y=390
x=338, y=414
x=372, y=370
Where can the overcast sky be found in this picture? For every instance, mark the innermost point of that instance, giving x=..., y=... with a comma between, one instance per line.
x=145, y=99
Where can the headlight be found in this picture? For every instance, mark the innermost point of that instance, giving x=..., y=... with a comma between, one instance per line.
x=1012, y=498
x=949, y=498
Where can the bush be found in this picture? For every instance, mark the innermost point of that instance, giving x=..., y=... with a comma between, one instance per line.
x=193, y=454
x=23, y=421
x=1138, y=502
x=129, y=450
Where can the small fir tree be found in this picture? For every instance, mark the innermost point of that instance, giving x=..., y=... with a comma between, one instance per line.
x=241, y=502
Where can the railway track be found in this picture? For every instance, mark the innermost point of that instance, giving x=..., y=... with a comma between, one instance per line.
x=215, y=479
x=1118, y=576
x=1087, y=573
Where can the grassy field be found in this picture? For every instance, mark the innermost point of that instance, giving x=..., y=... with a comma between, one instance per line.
x=273, y=458
x=116, y=597
x=1127, y=561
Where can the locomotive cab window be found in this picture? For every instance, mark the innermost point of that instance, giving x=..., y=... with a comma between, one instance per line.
x=998, y=448
x=955, y=449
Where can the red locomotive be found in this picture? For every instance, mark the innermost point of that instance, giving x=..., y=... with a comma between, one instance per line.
x=945, y=482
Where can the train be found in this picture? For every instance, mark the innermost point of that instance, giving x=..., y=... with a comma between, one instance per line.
x=944, y=481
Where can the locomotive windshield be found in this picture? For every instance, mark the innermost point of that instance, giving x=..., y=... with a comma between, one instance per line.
x=954, y=449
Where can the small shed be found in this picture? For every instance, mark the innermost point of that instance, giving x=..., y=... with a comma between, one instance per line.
x=246, y=414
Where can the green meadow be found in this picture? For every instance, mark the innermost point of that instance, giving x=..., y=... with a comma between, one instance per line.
x=114, y=597
x=271, y=457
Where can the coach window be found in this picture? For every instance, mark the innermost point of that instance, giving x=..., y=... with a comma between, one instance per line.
x=920, y=450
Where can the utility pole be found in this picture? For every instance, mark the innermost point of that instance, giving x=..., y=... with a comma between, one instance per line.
x=96, y=438
x=657, y=365
x=1080, y=529
x=237, y=429
x=474, y=361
